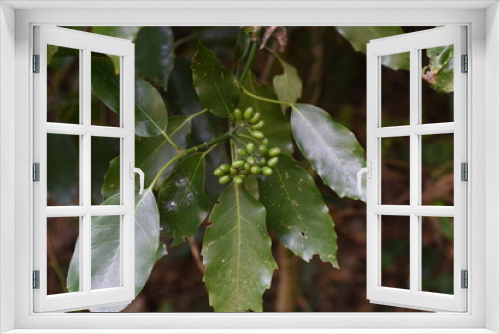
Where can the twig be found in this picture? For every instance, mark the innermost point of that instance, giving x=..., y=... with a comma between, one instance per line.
x=196, y=254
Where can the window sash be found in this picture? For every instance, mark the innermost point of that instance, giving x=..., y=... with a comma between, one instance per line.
x=414, y=298
x=86, y=297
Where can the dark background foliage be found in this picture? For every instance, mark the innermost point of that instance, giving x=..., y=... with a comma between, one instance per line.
x=334, y=79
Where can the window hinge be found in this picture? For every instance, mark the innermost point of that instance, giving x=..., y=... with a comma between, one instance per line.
x=36, y=172
x=465, y=64
x=464, y=171
x=36, y=279
x=465, y=279
x=36, y=63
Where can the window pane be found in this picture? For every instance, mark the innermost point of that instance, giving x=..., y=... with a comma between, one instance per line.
x=437, y=254
x=437, y=84
x=104, y=150
x=395, y=251
x=105, y=80
x=62, y=233
x=395, y=162
x=106, y=252
x=395, y=91
x=63, y=170
x=437, y=169
x=63, y=85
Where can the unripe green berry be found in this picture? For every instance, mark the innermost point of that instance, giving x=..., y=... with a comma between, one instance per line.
x=263, y=162
x=243, y=176
x=273, y=161
x=246, y=167
x=248, y=113
x=238, y=180
x=224, y=179
x=258, y=126
x=255, y=118
x=241, y=152
x=238, y=164
x=274, y=152
x=233, y=171
x=263, y=149
x=255, y=170
x=257, y=134
x=267, y=171
x=250, y=148
x=218, y=172
x=265, y=142
x=238, y=114
x=224, y=168
x=244, y=172
x=251, y=160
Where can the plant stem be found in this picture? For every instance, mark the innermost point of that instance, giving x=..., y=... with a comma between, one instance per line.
x=208, y=143
x=189, y=118
x=286, y=294
x=248, y=137
x=165, y=166
x=265, y=99
x=184, y=153
x=196, y=254
x=249, y=63
x=170, y=141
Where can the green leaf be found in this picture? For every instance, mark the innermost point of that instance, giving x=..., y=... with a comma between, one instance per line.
x=151, y=154
x=183, y=100
x=216, y=86
x=126, y=32
x=297, y=212
x=181, y=199
x=62, y=168
x=51, y=51
x=277, y=126
x=332, y=149
x=360, y=36
x=105, y=83
x=439, y=73
x=154, y=54
x=237, y=253
x=105, y=236
x=151, y=116
x=288, y=86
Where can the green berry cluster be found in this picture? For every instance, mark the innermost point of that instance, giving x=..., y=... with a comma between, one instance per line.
x=252, y=160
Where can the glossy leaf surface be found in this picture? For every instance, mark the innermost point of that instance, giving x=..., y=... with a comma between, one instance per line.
x=181, y=199
x=183, y=100
x=237, y=253
x=331, y=148
x=297, y=212
x=105, y=236
x=154, y=54
x=360, y=36
x=216, y=86
x=105, y=83
x=277, y=127
x=151, y=154
x=288, y=85
x=151, y=116
x=439, y=72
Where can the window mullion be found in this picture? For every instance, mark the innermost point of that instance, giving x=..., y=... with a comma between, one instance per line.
x=85, y=163
x=414, y=171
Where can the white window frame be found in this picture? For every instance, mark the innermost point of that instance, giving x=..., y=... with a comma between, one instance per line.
x=415, y=43
x=85, y=43
x=16, y=21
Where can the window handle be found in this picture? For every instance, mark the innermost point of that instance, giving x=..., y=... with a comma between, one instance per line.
x=141, y=176
x=368, y=171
